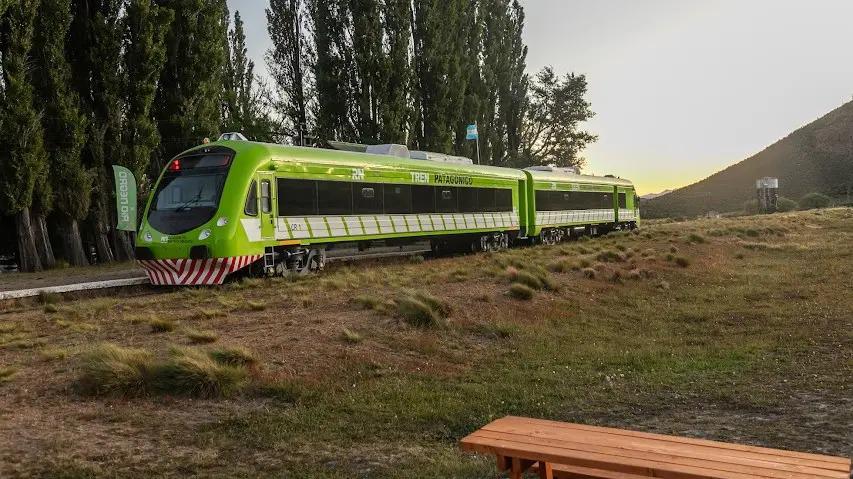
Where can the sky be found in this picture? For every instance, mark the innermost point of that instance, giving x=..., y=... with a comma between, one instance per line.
x=681, y=88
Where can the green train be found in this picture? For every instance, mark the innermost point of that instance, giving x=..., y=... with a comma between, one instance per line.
x=239, y=206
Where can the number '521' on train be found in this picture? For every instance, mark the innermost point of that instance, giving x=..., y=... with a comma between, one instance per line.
x=257, y=208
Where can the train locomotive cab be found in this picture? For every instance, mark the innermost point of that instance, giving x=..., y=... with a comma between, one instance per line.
x=186, y=237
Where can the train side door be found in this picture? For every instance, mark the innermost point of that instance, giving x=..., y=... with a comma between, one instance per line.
x=266, y=201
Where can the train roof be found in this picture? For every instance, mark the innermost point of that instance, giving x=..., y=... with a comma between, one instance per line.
x=278, y=152
x=564, y=177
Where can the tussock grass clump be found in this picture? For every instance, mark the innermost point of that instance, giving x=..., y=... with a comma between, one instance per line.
x=528, y=279
x=584, y=263
x=673, y=249
x=350, y=336
x=521, y=291
x=560, y=266
x=621, y=247
x=695, y=238
x=199, y=336
x=682, y=261
x=498, y=330
x=234, y=356
x=610, y=256
x=367, y=302
x=160, y=325
x=589, y=273
x=194, y=373
x=442, y=308
x=46, y=297
x=6, y=374
x=634, y=275
x=616, y=277
x=256, y=305
x=416, y=259
x=416, y=313
x=51, y=308
x=109, y=369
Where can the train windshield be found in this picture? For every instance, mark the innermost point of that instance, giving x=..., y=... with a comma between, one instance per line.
x=188, y=194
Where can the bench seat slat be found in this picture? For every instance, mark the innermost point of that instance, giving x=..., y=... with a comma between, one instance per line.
x=662, y=462
x=638, y=447
x=842, y=463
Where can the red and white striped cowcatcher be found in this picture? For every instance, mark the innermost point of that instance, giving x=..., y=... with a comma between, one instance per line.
x=194, y=271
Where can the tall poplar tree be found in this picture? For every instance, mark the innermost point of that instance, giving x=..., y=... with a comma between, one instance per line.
x=187, y=105
x=64, y=128
x=439, y=33
x=395, y=104
x=333, y=67
x=94, y=51
x=289, y=61
x=23, y=160
x=369, y=69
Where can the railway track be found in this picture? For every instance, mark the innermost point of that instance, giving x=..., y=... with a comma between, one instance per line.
x=341, y=257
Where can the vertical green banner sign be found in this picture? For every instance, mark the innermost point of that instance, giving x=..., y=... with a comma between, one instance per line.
x=125, y=198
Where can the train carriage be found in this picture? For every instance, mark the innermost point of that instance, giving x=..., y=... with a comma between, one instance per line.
x=234, y=206
x=564, y=202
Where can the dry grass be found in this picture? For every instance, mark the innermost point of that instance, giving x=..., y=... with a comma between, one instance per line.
x=199, y=336
x=702, y=351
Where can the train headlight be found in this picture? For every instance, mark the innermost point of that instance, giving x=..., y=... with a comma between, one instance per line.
x=148, y=237
x=204, y=234
x=222, y=221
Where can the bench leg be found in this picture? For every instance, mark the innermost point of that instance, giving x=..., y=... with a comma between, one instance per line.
x=546, y=471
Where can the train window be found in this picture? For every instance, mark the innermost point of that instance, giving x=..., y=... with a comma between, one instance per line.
x=423, y=199
x=251, y=208
x=398, y=199
x=544, y=201
x=468, y=200
x=503, y=199
x=485, y=199
x=446, y=201
x=297, y=197
x=334, y=198
x=365, y=199
x=606, y=201
x=266, y=196
x=623, y=200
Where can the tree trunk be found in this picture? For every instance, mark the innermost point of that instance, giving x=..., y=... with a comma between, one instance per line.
x=102, y=243
x=71, y=244
x=28, y=257
x=42, y=240
x=123, y=242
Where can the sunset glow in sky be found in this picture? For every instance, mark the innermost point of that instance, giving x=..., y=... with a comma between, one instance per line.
x=681, y=89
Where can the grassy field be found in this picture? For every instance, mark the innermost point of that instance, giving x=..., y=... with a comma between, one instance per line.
x=735, y=329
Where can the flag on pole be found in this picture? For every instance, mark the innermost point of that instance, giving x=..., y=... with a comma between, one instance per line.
x=471, y=132
x=125, y=198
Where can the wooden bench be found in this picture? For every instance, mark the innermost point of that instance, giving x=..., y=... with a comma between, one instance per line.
x=564, y=450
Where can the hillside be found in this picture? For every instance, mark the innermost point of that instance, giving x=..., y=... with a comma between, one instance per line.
x=815, y=158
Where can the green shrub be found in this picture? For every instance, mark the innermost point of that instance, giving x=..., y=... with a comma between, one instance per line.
x=814, y=200
x=51, y=308
x=521, y=291
x=784, y=205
